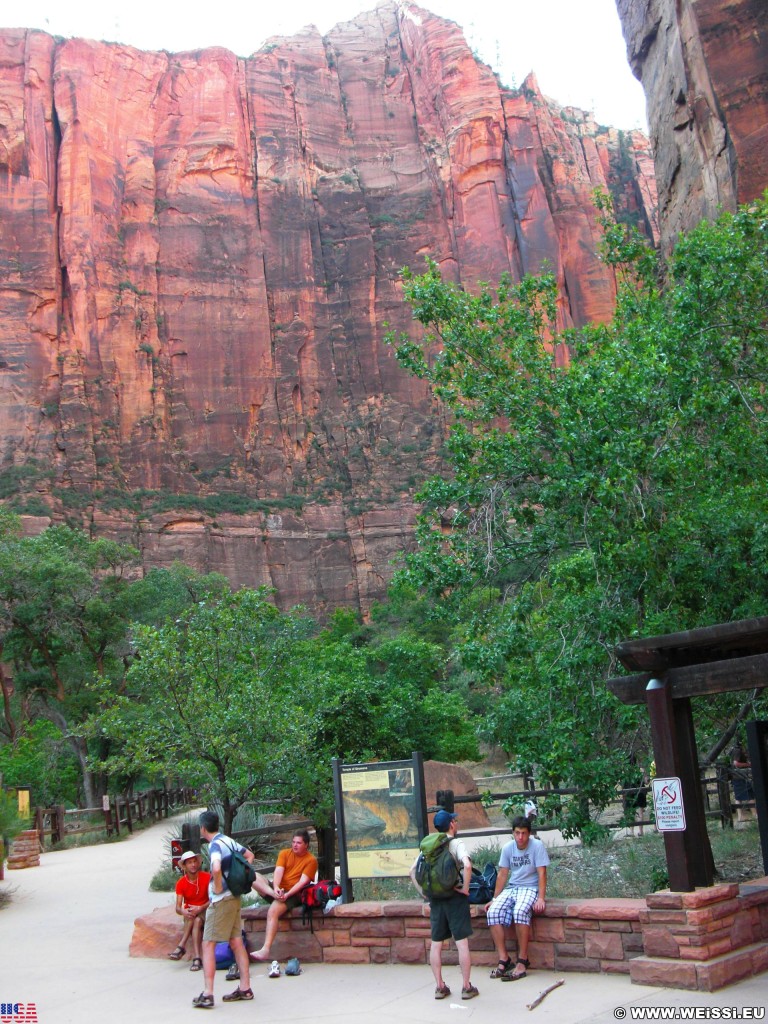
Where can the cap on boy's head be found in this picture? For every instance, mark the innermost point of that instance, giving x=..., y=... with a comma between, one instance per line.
x=185, y=856
x=443, y=819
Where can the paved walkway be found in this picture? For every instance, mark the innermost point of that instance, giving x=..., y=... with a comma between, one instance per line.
x=64, y=947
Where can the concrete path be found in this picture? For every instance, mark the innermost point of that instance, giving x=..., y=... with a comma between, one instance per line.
x=64, y=947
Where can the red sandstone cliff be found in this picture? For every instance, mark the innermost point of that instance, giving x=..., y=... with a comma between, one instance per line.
x=704, y=69
x=199, y=257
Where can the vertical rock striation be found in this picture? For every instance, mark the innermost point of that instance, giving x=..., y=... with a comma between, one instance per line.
x=200, y=258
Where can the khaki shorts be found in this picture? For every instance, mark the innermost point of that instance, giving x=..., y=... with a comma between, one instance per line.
x=223, y=921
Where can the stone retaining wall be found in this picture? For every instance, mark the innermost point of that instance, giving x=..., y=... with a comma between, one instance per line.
x=586, y=935
x=701, y=940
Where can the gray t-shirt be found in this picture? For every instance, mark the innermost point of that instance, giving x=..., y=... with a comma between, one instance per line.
x=522, y=864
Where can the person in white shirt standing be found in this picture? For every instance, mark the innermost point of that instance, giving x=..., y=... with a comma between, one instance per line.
x=223, y=921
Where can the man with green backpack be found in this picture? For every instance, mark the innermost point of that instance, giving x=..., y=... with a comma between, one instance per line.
x=442, y=874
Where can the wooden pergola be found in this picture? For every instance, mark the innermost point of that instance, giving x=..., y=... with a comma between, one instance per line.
x=669, y=671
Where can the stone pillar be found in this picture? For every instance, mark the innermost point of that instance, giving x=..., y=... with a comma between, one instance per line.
x=702, y=940
x=25, y=850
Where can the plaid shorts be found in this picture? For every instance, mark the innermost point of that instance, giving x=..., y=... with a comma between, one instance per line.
x=515, y=903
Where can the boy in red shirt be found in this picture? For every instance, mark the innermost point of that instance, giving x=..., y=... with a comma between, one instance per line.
x=191, y=904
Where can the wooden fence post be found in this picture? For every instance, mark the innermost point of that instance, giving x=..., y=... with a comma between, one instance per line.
x=57, y=824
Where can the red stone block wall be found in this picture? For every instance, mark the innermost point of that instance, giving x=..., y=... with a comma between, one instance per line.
x=591, y=935
x=701, y=940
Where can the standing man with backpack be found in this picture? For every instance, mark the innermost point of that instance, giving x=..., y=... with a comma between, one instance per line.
x=442, y=874
x=223, y=921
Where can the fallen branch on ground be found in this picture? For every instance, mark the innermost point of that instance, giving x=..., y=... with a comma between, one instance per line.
x=543, y=995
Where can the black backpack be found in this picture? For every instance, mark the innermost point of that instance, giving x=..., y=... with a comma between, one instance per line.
x=241, y=874
x=483, y=884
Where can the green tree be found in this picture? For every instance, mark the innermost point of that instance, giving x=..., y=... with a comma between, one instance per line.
x=605, y=483
x=63, y=618
x=215, y=699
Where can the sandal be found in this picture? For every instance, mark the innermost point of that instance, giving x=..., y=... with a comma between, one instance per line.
x=197, y=964
x=504, y=967
x=517, y=975
x=238, y=995
x=177, y=954
x=203, y=1002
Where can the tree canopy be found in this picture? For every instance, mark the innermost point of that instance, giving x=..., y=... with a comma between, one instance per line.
x=604, y=483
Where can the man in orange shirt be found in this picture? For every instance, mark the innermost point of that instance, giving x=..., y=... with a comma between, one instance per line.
x=296, y=868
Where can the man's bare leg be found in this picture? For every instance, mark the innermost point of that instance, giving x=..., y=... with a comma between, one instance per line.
x=436, y=962
x=275, y=912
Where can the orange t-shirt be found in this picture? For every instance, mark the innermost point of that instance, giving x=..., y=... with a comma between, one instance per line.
x=295, y=866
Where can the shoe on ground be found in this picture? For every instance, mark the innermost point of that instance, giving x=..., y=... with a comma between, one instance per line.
x=238, y=995
x=469, y=992
x=293, y=967
x=274, y=970
x=203, y=1001
x=233, y=974
x=442, y=991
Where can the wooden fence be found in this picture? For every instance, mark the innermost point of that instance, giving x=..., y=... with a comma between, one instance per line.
x=116, y=813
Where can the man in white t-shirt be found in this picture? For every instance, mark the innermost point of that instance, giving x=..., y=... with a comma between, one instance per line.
x=521, y=887
x=223, y=922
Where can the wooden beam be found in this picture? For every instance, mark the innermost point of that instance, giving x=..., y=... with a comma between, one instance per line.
x=697, y=680
x=694, y=646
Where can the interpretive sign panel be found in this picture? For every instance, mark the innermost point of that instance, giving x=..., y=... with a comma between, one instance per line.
x=380, y=812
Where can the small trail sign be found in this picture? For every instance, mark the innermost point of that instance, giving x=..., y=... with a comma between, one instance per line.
x=668, y=805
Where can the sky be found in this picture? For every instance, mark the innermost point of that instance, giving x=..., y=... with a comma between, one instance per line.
x=575, y=47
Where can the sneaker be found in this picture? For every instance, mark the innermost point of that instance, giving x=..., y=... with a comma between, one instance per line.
x=293, y=967
x=469, y=992
x=274, y=970
x=442, y=992
x=203, y=1001
x=238, y=995
x=233, y=974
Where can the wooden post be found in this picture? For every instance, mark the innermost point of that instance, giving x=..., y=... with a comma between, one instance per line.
x=659, y=701
x=39, y=824
x=57, y=823
x=444, y=799
x=724, y=797
x=326, y=851
x=698, y=849
x=128, y=816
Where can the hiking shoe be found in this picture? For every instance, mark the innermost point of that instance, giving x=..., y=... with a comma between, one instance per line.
x=274, y=970
x=469, y=992
x=293, y=967
x=238, y=995
x=203, y=1001
x=233, y=974
x=442, y=991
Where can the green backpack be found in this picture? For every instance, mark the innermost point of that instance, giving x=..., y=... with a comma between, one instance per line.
x=436, y=871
